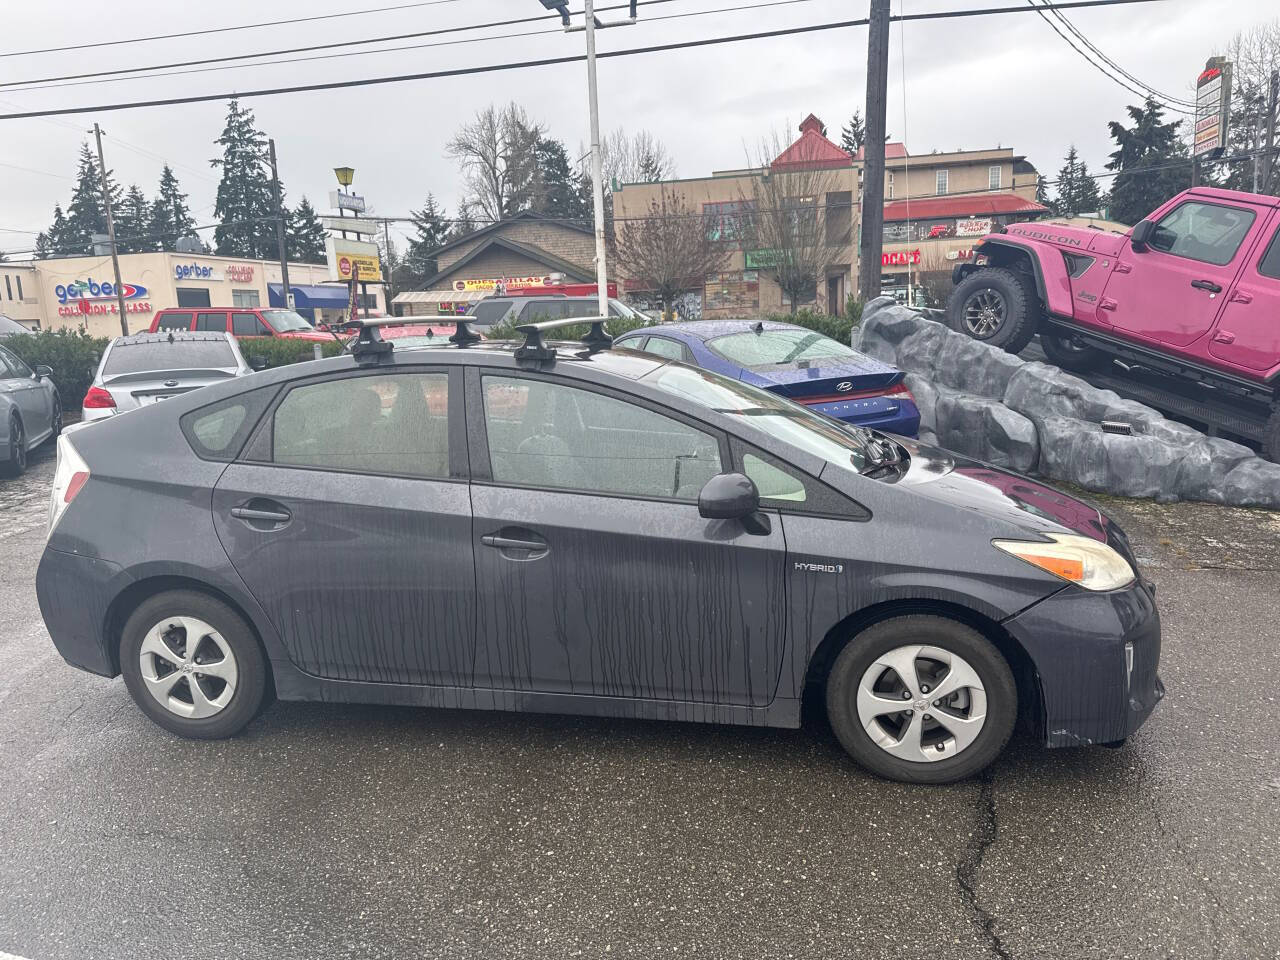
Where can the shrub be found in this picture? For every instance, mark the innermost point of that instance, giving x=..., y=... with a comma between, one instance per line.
x=837, y=328
x=72, y=354
x=281, y=351
x=615, y=327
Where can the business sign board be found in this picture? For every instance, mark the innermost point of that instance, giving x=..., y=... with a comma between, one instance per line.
x=352, y=258
x=195, y=271
x=973, y=227
x=1213, y=109
x=900, y=258
x=350, y=225
x=346, y=201
x=492, y=283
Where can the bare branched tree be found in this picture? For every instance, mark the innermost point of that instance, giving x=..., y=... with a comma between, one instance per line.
x=1254, y=55
x=636, y=158
x=497, y=153
x=800, y=220
x=669, y=251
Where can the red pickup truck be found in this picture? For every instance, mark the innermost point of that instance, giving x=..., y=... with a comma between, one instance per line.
x=1193, y=291
x=239, y=322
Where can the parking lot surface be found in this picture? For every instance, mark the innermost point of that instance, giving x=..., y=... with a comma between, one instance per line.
x=349, y=831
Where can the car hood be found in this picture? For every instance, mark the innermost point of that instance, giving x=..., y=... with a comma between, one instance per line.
x=1001, y=494
x=1076, y=239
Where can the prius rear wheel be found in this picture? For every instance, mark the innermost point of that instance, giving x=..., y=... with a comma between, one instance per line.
x=922, y=699
x=193, y=665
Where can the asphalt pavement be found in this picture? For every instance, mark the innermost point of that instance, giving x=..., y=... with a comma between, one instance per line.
x=346, y=831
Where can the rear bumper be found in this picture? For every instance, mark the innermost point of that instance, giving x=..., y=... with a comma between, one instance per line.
x=75, y=593
x=1096, y=655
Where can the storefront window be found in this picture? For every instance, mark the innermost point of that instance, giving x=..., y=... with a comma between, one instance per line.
x=246, y=298
x=735, y=291
x=193, y=297
x=728, y=222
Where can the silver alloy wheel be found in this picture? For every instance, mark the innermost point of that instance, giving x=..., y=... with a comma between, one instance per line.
x=19, y=444
x=188, y=667
x=921, y=703
x=984, y=312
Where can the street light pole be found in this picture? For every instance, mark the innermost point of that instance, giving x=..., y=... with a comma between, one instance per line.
x=597, y=162
x=871, y=242
x=284, y=256
x=111, y=231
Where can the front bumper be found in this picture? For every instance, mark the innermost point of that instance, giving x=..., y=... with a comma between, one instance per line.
x=1096, y=656
x=75, y=593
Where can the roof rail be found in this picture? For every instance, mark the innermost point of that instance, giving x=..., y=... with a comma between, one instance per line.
x=534, y=348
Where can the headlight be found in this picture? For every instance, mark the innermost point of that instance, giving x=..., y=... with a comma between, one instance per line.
x=1079, y=560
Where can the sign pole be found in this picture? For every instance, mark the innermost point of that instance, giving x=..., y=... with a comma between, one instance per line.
x=111, y=232
x=597, y=164
x=284, y=257
x=871, y=240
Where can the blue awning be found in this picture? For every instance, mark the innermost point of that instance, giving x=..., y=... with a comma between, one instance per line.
x=309, y=296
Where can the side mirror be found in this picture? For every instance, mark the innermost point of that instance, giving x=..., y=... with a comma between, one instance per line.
x=733, y=496
x=1140, y=235
x=42, y=371
x=257, y=362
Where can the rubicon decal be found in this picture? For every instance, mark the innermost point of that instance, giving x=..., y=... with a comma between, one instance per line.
x=91, y=290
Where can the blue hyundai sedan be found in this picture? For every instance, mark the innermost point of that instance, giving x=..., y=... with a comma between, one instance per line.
x=793, y=361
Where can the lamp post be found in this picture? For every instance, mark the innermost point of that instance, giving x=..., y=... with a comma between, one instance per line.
x=345, y=176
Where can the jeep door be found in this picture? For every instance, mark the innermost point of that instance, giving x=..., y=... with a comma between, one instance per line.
x=595, y=573
x=1173, y=290
x=348, y=517
x=1248, y=334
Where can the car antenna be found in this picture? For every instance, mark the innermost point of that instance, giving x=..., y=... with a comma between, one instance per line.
x=171, y=336
x=759, y=327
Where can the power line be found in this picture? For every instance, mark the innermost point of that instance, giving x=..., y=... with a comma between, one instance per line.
x=1119, y=69
x=1093, y=63
x=419, y=46
x=26, y=84
x=542, y=62
x=231, y=29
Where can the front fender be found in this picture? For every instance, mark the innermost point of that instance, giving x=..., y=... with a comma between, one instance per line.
x=1053, y=282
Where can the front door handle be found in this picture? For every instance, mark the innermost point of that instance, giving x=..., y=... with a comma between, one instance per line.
x=263, y=513
x=512, y=543
x=1207, y=285
x=1224, y=336
x=1241, y=297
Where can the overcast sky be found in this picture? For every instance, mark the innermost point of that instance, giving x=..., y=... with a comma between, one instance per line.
x=969, y=83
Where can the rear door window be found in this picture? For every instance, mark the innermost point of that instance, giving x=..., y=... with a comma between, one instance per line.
x=671, y=349
x=175, y=321
x=393, y=424
x=248, y=325
x=1269, y=266
x=215, y=322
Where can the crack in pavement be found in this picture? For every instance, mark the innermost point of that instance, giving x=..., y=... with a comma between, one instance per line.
x=986, y=831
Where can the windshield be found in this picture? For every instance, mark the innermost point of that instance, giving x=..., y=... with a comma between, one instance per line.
x=285, y=321
x=160, y=355
x=776, y=416
x=770, y=348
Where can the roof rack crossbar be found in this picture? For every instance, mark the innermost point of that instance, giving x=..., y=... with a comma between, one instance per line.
x=464, y=334
x=534, y=348
x=368, y=346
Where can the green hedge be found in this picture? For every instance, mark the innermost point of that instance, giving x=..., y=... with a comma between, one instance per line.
x=73, y=355
x=837, y=328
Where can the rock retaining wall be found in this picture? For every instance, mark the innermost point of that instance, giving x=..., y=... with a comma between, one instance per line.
x=1032, y=417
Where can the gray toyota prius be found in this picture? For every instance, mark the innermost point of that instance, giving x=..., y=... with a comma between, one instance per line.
x=575, y=528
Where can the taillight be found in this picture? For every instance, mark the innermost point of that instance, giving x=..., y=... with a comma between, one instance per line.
x=98, y=399
x=69, y=478
x=901, y=390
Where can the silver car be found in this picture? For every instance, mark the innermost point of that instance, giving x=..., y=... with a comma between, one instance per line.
x=148, y=367
x=30, y=411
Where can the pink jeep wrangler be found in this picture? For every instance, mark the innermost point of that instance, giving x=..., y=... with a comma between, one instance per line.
x=1193, y=291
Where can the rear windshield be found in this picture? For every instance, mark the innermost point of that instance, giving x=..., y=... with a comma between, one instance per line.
x=283, y=321
x=771, y=348
x=490, y=312
x=163, y=355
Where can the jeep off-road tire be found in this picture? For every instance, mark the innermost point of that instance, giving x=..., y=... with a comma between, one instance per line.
x=1271, y=436
x=1069, y=354
x=997, y=306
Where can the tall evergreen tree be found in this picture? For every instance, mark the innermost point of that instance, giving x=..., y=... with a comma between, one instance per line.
x=133, y=223
x=306, y=236
x=1152, y=162
x=245, y=206
x=556, y=193
x=49, y=243
x=1077, y=190
x=170, y=216
x=87, y=214
x=854, y=134
x=430, y=232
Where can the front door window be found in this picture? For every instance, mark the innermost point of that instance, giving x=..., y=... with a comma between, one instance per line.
x=1208, y=232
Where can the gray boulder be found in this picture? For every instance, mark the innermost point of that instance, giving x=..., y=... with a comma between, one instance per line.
x=973, y=366
x=884, y=321
x=1080, y=453
x=1253, y=483
x=1202, y=474
x=926, y=394
x=986, y=430
x=1039, y=390
x=918, y=352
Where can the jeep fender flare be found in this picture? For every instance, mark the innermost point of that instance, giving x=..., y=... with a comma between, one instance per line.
x=1046, y=263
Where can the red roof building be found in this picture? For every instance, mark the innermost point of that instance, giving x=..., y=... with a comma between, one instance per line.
x=813, y=151
x=969, y=205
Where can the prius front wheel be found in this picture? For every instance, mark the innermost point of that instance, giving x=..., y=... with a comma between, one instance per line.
x=922, y=699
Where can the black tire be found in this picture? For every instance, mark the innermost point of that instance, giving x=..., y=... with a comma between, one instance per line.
x=1271, y=436
x=56, y=423
x=249, y=693
x=1006, y=293
x=1066, y=352
x=935, y=631
x=16, y=464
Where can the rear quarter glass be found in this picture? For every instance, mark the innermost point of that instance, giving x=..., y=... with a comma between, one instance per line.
x=219, y=431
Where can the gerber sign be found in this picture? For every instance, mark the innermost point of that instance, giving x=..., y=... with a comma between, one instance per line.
x=90, y=290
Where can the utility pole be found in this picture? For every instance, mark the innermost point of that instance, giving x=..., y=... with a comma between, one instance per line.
x=284, y=255
x=597, y=162
x=871, y=242
x=386, y=242
x=111, y=232
x=1269, y=169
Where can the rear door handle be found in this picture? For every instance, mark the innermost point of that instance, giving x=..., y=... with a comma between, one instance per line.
x=1224, y=336
x=512, y=543
x=1206, y=285
x=1241, y=297
x=257, y=515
